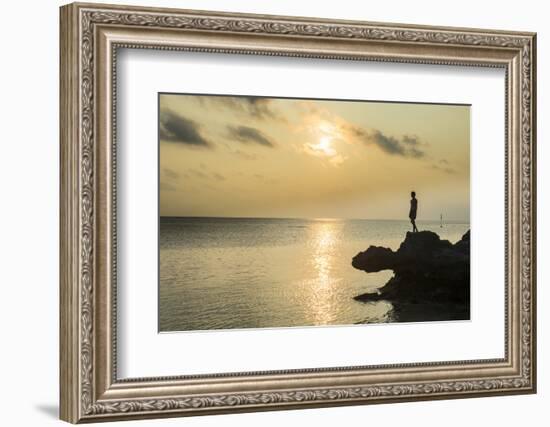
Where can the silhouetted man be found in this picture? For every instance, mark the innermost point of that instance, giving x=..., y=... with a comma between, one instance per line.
x=412, y=212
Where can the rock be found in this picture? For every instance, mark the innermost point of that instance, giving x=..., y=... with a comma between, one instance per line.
x=375, y=258
x=427, y=271
x=463, y=245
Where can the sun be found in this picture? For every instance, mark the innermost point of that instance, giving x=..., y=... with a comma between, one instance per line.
x=324, y=146
x=327, y=136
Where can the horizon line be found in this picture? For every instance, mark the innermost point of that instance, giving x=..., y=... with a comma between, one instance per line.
x=460, y=221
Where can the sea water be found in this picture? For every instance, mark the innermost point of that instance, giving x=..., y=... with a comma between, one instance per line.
x=227, y=273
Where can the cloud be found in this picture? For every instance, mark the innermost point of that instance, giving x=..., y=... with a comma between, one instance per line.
x=320, y=150
x=406, y=146
x=445, y=169
x=169, y=173
x=416, y=153
x=411, y=140
x=257, y=107
x=335, y=126
x=337, y=160
x=198, y=173
x=326, y=150
x=246, y=156
x=177, y=128
x=165, y=186
x=249, y=135
x=202, y=173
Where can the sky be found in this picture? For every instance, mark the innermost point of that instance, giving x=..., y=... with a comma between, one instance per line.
x=243, y=156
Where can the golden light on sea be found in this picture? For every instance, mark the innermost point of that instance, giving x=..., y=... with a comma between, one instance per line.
x=324, y=241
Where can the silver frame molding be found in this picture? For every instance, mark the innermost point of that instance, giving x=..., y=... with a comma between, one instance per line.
x=90, y=37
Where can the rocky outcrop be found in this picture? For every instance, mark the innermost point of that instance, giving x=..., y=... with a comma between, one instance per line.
x=430, y=274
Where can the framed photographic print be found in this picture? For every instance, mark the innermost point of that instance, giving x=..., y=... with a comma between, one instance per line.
x=265, y=212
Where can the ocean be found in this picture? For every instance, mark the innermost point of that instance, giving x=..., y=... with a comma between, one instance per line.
x=238, y=273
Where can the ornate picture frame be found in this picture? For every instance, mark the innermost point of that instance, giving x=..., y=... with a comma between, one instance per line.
x=90, y=37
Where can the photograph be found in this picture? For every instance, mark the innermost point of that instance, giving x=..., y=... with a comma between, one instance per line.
x=291, y=212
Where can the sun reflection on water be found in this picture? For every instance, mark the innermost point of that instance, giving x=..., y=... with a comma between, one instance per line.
x=324, y=245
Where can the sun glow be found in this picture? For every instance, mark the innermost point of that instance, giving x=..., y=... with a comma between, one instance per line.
x=324, y=146
x=325, y=149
